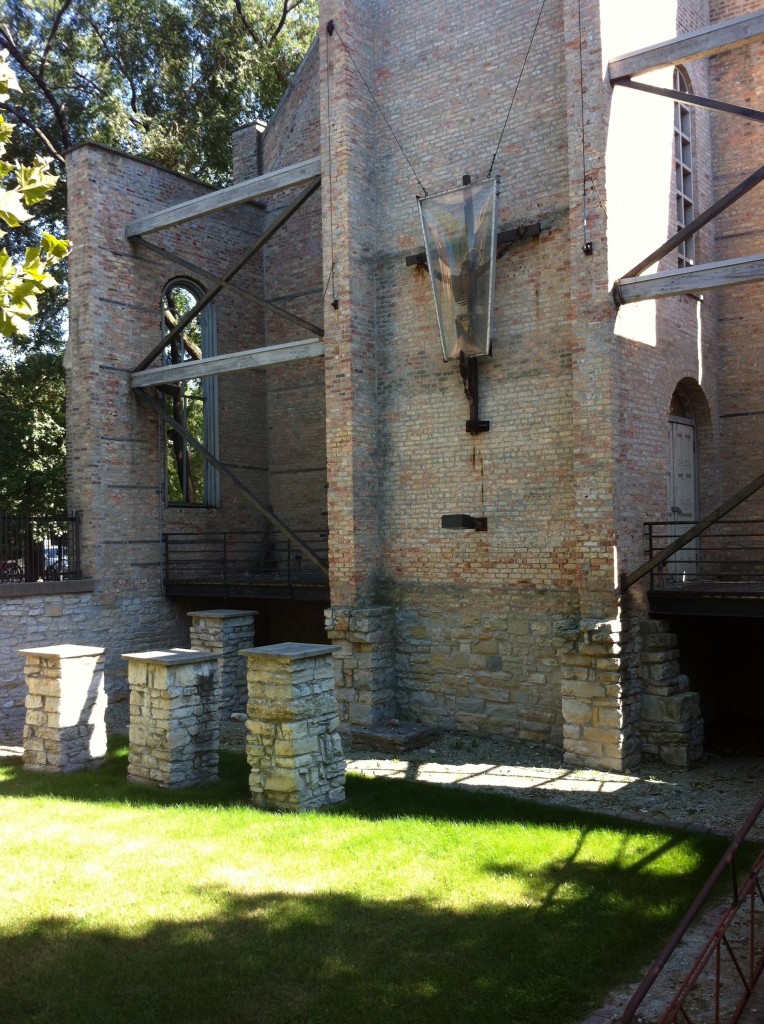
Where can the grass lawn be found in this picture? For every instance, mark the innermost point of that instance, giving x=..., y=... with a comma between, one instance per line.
x=408, y=903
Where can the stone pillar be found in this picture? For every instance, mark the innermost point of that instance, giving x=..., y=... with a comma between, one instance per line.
x=224, y=632
x=174, y=717
x=671, y=724
x=600, y=700
x=65, y=727
x=364, y=659
x=293, y=744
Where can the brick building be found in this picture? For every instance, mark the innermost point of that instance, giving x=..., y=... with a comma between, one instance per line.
x=603, y=414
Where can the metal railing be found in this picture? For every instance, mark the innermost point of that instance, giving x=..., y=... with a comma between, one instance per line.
x=37, y=547
x=234, y=560
x=729, y=551
x=730, y=963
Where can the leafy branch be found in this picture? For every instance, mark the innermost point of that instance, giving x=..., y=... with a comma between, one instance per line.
x=22, y=282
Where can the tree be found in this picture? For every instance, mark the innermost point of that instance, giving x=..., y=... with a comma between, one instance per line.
x=21, y=282
x=164, y=79
x=32, y=455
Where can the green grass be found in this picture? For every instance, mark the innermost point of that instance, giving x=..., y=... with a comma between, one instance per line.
x=409, y=903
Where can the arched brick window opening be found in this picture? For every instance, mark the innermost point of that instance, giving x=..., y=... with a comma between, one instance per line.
x=193, y=403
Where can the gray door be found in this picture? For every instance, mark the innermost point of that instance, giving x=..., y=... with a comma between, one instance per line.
x=683, y=493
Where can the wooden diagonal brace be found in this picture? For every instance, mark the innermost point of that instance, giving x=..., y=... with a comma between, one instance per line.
x=188, y=437
x=215, y=290
x=691, y=100
x=261, y=303
x=697, y=223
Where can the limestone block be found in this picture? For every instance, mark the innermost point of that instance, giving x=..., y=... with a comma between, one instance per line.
x=174, y=717
x=293, y=744
x=65, y=727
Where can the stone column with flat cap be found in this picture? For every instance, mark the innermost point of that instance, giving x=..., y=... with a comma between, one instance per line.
x=65, y=726
x=293, y=742
x=174, y=717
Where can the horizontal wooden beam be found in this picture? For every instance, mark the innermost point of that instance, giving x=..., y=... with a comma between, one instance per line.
x=689, y=280
x=721, y=36
x=192, y=369
x=721, y=204
x=225, y=198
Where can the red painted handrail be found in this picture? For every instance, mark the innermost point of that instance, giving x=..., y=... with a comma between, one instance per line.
x=750, y=888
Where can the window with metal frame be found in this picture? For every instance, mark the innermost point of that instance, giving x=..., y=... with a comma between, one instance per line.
x=193, y=403
x=683, y=156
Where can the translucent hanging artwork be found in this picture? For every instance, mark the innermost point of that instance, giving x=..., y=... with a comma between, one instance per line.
x=459, y=229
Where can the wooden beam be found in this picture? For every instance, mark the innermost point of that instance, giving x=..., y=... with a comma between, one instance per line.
x=298, y=321
x=210, y=294
x=693, y=532
x=722, y=36
x=192, y=369
x=188, y=437
x=225, y=198
x=688, y=280
x=698, y=222
x=691, y=100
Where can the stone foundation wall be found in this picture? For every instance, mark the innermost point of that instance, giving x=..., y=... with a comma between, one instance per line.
x=485, y=662
x=671, y=725
x=98, y=618
x=364, y=663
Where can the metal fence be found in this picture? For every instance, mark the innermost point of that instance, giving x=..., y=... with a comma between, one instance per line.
x=257, y=561
x=724, y=962
x=729, y=551
x=37, y=547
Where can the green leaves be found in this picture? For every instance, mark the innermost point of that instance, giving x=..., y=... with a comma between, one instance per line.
x=12, y=209
x=22, y=282
x=36, y=182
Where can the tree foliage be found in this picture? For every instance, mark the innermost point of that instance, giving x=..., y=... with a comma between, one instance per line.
x=163, y=79
x=21, y=186
x=32, y=466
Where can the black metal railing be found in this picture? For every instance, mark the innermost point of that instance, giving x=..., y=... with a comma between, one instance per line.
x=260, y=560
x=38, y=546
x=730, y=551
x=735, y=964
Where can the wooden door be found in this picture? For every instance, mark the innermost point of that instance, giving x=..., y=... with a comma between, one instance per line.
x=683, y=493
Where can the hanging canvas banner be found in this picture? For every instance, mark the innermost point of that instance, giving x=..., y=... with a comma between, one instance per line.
x=459, y=229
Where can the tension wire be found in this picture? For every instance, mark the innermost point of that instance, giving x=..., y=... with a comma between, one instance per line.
x=336, y=31
x=517, y=86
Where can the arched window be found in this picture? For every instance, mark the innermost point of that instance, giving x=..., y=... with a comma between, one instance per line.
x=192, y=403
x=683, y=169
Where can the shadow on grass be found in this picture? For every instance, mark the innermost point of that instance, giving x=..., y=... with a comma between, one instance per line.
x=284, y=958
x=310, y=958
x=367, y=798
